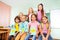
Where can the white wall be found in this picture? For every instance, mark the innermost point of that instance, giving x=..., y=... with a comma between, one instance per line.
x=55, y=23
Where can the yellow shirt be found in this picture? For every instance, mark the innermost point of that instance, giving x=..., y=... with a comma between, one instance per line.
x=17, y=27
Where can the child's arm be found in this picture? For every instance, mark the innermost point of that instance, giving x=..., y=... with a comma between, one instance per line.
x=42, y=34
x=40, y=30
x=29, y=29
x=48, y=32
x=39, y=27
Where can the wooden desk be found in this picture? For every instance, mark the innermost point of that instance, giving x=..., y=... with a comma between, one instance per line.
x=5, y=31
x=3, y=35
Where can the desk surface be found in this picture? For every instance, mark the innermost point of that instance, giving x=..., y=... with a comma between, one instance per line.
x=4, y=28
x=3, y=32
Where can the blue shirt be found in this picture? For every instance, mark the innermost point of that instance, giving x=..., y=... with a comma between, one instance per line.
x=23, y=26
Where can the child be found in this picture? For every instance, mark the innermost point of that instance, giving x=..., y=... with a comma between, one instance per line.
x=40, y=12
x=23, y=27
x=15, y=29
x=17, y=20
x=30, y=12
x=45, y=29
x=33, y=28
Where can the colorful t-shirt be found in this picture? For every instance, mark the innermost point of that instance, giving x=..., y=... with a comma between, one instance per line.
x=33, y=27
x=17, y=27
x=23, y=26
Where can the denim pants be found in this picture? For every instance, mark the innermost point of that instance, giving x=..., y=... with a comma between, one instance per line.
x=29, y=36
x=49, y=38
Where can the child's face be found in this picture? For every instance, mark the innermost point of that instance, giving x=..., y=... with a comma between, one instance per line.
x=30, y=10
x=44, y=20
x=40, y=7
x=17, y=20
x=23, y=18
x=33, y=18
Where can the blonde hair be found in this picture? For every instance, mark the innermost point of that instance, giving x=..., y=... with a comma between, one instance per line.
x=20, y=13
x=47, y=24
x=29, y=10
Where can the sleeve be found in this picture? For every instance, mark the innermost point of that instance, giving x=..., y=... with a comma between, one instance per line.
x=20, y=27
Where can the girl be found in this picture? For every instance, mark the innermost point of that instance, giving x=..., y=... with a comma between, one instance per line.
x=45, y=29
x=40, y=12
x=33, y=28
x=15, y=29
x=30, y=12
x=23, y=27
x=17, y=20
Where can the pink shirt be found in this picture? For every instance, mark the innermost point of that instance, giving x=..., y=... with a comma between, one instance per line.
x=45, y=29
x=34, y=25
x=39, y=15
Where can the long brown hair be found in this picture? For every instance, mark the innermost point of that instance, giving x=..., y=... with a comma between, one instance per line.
x=42, y=11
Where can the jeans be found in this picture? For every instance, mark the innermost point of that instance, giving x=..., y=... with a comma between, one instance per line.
x=29, y=36
x=49, y=38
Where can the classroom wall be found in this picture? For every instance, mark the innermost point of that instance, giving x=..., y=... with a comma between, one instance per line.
x=5, y=11
x=23, y=5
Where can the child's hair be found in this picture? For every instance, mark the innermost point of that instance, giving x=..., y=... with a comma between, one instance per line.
x=20, y=13
x=42, y=11
x=34, y=15
x=29, y=10
x=17, y=17
x=24, y=15
x=47, y=25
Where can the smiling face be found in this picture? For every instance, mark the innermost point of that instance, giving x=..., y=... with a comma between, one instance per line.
x=30, y=10
x=40, y=7
x=44, y=20
x=23, y=18
x=33, y=18
x=17, y=20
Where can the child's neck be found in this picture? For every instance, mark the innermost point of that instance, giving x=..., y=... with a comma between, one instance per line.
x=44, y=23
x=23, y=21
x=16, y=22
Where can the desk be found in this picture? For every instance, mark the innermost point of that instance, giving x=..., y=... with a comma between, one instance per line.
x=3, y=35
x=4, y=32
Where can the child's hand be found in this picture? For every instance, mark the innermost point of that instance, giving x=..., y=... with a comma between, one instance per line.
x=46, y=38
x=36, y=35
x=43, y=38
